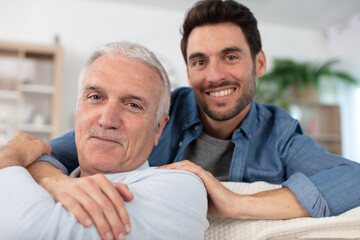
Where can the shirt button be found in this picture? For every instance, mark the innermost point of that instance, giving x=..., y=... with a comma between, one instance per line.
x=180, y=143
x=250, y=136
x=186, y=125
x=196, y=127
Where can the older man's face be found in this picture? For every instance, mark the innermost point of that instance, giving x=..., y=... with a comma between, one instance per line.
x=115, y=118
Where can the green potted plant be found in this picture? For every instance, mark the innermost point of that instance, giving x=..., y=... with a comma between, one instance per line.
x=289, y=77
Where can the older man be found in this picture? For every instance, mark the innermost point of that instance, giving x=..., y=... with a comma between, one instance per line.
x=122, y=110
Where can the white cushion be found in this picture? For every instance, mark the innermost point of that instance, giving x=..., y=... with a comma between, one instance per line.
x=344, y=226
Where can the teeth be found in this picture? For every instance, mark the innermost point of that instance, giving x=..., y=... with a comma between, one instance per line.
x=221, y=93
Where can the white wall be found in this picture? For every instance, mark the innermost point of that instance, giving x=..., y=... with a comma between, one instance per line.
x=83, y=25
x=344, y=43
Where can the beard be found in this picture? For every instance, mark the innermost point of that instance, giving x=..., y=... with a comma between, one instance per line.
x=248, y=91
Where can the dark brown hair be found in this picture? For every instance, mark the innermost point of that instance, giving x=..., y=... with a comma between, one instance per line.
x=218, y=11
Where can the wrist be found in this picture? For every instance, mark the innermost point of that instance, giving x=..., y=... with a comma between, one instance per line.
x=51, y=182
x=244, y=207
x=46, y=174
x=9, y=158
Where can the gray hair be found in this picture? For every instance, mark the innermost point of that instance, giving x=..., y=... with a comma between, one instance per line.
x=141, y=55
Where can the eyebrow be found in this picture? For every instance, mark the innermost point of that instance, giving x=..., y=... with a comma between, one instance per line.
x=195, y=55
x=225, y=50
x=231, y=49
x=130, y=96
x=96, y=88
x=127, y=96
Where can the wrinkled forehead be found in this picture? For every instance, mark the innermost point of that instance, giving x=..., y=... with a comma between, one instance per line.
x=121, y=68
x=123, y=76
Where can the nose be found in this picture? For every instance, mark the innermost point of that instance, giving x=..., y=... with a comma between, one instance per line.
x=110, y=116
x=215, y=72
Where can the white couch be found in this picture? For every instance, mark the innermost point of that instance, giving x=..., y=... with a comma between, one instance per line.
x=345, y=226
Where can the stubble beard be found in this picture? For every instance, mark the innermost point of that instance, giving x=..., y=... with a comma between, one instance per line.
x=242, y=102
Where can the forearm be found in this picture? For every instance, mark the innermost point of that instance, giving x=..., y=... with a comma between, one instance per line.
x=45, y=173
x=273, y=204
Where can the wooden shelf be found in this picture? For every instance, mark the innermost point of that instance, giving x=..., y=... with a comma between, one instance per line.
x=8, y=94
x=30, y=85
x=322, y=123
x=27, y=127
x=37, y=88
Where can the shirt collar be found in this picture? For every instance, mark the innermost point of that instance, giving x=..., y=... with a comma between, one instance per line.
x=248, y=124
x=192, y=114
x=76, y=172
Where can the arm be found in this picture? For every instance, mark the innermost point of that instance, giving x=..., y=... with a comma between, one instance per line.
x=15, y=183
x=38, y=215
x=91, y=199
x=320, y=180
x=28, y=211
x=273, y=204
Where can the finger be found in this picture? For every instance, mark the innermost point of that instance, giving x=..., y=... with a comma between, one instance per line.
x=116, y=192
x=120, y=205
x=76, y=209
x=94, y=210
x=209, y=180
x=111, y=205
x=172, y=165
x=48, y=149
x=124, y=191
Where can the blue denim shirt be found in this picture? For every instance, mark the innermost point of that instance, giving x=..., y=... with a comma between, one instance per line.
x=269, y=146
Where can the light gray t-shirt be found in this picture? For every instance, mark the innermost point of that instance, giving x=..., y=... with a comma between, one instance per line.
x=212, y=154
x=168, y=204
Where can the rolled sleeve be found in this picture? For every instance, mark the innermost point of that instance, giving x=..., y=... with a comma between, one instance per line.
x=308, y=195
x=53, y=161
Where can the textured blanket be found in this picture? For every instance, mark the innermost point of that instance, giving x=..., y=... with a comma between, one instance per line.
x=344, y=226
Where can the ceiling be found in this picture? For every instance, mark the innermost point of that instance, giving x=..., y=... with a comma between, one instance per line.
x=317, y=14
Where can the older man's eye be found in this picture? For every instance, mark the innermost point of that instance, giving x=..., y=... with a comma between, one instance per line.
x=95, y=97
x=134, y=105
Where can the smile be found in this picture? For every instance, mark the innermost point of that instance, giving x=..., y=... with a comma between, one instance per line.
x=221, y=93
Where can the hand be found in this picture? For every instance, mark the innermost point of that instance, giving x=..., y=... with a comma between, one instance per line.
x=221, y=199
x=273, y=204
x=94, y=199
x=22, y=150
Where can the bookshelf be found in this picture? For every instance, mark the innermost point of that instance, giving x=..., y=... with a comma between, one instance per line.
x=30, y=90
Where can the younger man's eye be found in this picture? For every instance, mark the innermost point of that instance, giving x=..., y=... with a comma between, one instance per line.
x=231, y=57
x=199, y=62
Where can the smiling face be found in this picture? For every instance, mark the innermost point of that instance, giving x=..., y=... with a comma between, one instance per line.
x=222, y=72
x=114, y=123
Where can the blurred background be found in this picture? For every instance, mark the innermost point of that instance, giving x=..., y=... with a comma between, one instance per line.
x=44, y=43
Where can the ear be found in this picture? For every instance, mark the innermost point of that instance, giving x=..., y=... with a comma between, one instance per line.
x=160, y=127
x=260, y=62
